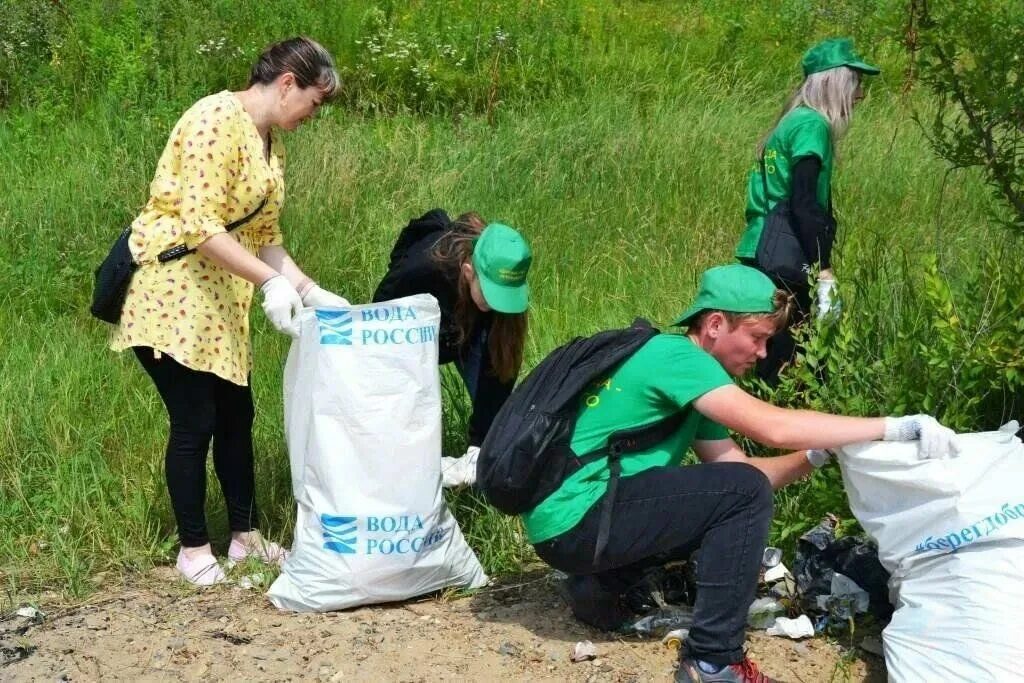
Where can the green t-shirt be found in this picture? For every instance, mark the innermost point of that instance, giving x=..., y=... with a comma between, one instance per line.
x=801, y=133
x=662, y=378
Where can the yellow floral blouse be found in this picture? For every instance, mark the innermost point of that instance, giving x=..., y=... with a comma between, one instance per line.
x=211, y=173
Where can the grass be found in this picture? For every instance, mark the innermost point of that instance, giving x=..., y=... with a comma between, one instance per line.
x=627, y=181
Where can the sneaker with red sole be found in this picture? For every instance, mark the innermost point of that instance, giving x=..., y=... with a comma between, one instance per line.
x=741, y=672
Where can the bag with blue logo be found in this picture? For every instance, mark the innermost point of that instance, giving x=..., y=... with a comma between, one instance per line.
x=362, y=403
x=951, y=533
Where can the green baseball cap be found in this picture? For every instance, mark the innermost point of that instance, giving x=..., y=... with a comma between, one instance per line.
x=735, y=289
x=828, y=54
x=501, y=258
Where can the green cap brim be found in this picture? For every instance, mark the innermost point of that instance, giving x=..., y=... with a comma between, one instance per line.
x=505, y=299
x=864, y=67
x=688, y=315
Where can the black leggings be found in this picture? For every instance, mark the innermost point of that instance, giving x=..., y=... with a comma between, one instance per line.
x=201, y=407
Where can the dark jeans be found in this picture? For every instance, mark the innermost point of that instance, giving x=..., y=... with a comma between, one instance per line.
x=665, y=513
x=204, y=407
x=782, y=347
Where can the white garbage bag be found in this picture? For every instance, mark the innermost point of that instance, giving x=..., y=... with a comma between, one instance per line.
x=951, y=532
x=362, y=404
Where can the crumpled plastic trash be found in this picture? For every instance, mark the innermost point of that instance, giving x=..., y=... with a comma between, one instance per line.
x=777, y=573
x=583, y=651
x=30, y=613
x=819, y=556
x=801, y=627
x=674, y=639
x=460, y=471
x=845, y=599
x=660, y=622
x=250, y=581
x=763, y=611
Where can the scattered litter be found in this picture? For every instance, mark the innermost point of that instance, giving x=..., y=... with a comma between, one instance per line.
x=777, y=573
x=674, y=639
x=763, y=611
x=819, y=556
x=583, y=651
x=231, y=638
x=800, y=627
x=30, y=613
x=257, y=580
x=654, y=625
x=10, y=655
x=845, y=599
x=771, y=557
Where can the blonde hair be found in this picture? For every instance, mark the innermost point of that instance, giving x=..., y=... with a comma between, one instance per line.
x=831, y=94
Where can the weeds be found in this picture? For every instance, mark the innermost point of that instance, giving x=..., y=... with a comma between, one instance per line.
x=615, y=135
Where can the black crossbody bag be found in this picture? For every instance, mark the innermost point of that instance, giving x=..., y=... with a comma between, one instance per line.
x=115, y=273
x=779, y=252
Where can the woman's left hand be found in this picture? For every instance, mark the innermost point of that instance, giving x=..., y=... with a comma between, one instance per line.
x=318, y=297
x=827, y=303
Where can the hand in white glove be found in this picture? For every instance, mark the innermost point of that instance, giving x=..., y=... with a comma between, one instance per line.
x=818, y=457
x=281, y=303
x=318, y=297
x=827, y=303
x=936, y=441
x=460, y=471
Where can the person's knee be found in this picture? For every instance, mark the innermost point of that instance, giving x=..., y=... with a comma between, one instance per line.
x=193, y=432
x=755, y=484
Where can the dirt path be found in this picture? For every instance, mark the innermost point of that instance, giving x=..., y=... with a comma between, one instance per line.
x=521, y=630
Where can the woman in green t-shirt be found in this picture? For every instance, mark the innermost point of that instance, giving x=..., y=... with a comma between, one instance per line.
x=794, y=170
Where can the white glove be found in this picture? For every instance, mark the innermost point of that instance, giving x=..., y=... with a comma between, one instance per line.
x=936, y=441
x=460, y=471
x=281, y=303
x=318, y=297
x=826, y=303
x=818, y=457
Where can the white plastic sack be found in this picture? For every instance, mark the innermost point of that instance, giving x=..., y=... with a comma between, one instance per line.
x=951, y=532
x=362, y=402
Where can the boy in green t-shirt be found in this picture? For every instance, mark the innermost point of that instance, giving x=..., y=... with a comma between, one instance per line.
x=722, y=507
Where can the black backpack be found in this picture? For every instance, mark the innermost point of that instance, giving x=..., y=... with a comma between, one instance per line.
x=526, y=455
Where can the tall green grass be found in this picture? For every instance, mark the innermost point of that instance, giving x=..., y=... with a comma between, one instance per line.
x=621, y=152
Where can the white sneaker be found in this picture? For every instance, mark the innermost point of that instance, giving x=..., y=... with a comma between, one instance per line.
x=200, y=570
x=259, y=547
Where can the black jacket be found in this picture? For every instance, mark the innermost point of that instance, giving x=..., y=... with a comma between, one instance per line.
x=413, y=270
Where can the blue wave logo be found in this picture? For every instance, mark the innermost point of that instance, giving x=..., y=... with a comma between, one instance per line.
x=339, y=534
x=335, y=327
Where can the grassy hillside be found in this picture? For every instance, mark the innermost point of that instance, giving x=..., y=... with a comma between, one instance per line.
x=617, y=136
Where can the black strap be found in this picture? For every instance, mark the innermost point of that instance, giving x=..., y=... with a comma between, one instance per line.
x=622, y=443
x=181, y=250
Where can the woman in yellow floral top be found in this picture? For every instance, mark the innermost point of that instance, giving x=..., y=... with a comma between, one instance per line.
x=188, y=320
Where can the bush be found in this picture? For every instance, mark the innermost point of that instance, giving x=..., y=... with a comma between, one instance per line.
x=971, y=55
x=928, y=347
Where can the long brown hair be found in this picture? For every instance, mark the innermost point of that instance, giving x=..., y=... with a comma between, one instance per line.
x=507, y=337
